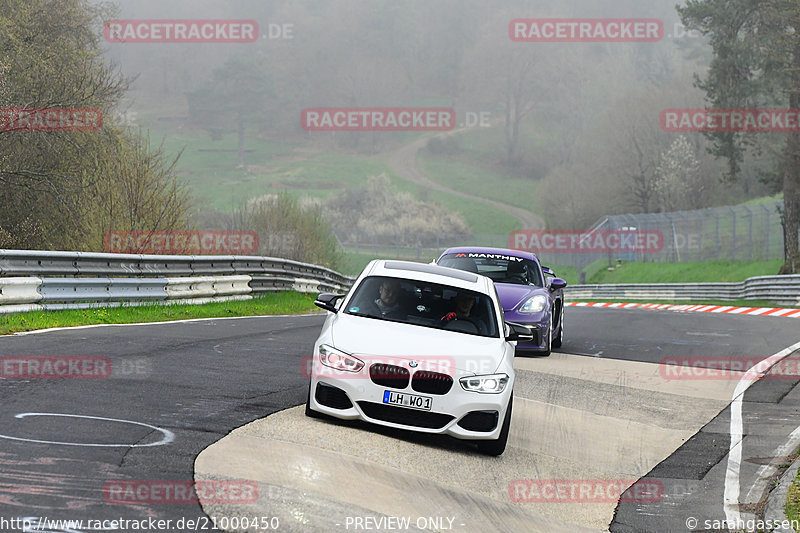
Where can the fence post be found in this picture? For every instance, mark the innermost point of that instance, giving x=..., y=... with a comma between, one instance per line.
x=699, y=236
x=749, y=232
x=767, y=232
x=733, y=235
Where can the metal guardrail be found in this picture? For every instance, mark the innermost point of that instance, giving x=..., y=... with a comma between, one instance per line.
x=81, y=279
x=39, y=263
x=94, y=279
x=783, y=290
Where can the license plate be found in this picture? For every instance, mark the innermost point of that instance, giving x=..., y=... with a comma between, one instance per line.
x=423, y=403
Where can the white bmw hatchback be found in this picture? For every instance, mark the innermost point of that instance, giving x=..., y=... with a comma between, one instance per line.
x=418, y=347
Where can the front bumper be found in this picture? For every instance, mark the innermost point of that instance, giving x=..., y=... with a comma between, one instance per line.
x=458, y=413
x=539, y=323
x=541, y=338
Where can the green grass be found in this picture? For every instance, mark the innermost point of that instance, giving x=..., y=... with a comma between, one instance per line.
x=466, y=173
x=708, y=271
x=281, y=303
x=273, y=166
x=764, y=200
x=567, y=273
x=353, y=263
x=480, y=217
x=270, y=168
x=792, y=508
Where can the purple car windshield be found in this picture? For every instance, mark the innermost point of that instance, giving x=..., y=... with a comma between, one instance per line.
x=499, y=267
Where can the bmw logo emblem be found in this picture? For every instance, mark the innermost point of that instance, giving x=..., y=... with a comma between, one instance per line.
x=413, y=364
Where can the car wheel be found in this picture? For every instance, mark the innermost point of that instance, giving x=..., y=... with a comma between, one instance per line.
x=310, y=412
x=498, y=446
x=560, y=337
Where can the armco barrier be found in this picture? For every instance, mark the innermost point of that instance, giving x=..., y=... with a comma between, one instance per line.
x=207, y=287
x=783, y=290
x=68, y=290
x=88, y=279
x=35, y=280
x=39, y=263
x=19, y=291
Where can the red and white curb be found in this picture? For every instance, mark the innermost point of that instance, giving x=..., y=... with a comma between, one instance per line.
x=761, y=311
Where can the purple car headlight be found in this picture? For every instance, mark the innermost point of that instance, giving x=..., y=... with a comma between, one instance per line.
x=535, y=304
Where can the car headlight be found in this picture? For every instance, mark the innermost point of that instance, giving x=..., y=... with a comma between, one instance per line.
x=535, y=304
x=488, y=384
x=339, y=360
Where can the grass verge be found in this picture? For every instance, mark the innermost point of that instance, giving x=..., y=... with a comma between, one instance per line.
x=281, y=303
x=468, y=174
x=707, y=271
x=792, y=508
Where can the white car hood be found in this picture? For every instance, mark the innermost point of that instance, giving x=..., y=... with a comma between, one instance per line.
x=379, y=338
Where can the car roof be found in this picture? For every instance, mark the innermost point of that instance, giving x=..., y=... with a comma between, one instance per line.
x=487, y=250
x=429, y=272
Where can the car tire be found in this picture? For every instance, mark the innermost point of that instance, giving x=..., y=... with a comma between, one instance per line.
x=310, y=412
x=559, y=339
x=498, y=446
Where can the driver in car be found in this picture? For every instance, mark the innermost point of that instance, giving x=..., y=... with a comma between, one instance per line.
x=463, y=311
x=388, y=304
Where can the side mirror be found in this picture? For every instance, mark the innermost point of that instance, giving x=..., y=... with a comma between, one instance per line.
x=327, y=301
x=557, y=283
x=519, y=332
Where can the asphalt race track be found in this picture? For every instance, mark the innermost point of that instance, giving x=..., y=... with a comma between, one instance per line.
x=176, y=389
x=198, y=380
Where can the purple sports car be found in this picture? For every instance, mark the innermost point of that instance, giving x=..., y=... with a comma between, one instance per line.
x=529, y=293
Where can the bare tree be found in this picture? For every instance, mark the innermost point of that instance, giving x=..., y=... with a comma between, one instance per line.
x=676, y=179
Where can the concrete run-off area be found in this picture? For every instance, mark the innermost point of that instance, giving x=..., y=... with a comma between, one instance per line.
x=583, y=431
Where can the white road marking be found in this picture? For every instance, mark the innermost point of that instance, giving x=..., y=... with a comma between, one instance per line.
x=732, y=481
x=166, y=439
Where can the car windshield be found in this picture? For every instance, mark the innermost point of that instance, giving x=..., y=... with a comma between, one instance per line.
x=422, y=303
x=499, y=267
